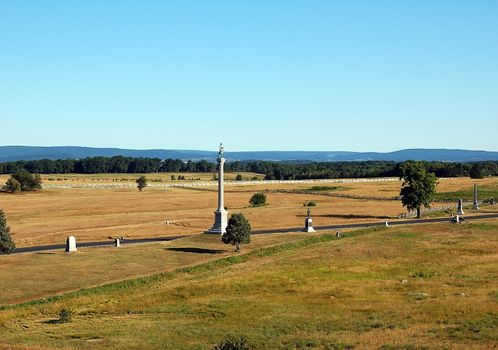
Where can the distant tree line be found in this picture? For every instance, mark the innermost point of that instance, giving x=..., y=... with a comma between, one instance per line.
x=103, y=165
x=365, y=169
x=271, y=170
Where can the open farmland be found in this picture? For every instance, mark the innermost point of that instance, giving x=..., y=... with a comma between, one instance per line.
x=50, y=215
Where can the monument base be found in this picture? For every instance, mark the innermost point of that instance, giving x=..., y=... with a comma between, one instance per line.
x=220, y=223
x=308, y=225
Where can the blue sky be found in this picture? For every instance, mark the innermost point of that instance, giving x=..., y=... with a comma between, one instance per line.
x=257, y=75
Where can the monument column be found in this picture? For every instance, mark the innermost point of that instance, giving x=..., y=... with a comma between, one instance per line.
x=221, y=184
x=220, y=215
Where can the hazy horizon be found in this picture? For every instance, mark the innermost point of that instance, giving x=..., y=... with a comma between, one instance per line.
x=215, y=149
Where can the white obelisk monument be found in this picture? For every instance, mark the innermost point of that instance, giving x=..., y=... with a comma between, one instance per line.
x=220, y=215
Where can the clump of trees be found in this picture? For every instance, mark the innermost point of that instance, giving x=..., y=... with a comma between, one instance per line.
x=258, y=199
x=238, y=231
x=419, y=186
x=23, y=181
x=141, y=182
x=7, y=245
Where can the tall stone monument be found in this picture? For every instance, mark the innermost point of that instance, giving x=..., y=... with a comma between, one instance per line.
x=220, y=215
x=475, y=203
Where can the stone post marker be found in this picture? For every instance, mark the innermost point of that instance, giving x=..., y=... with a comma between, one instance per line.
x=460, y=207
x=475, y=203
x=71, y=244
x=308, y=223
x=117, y=242
x=220, y=215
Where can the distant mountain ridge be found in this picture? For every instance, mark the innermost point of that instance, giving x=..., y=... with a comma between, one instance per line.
x=14, y=153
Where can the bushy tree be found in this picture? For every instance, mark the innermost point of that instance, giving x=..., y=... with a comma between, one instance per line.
x=65, y=316
x=238, y=177
x=12, y=185
x=141, y=182
x=28, y=181
x=258, y=199
x=419, y=186
x=238, y=231
x=232, y=343
x=7, y=245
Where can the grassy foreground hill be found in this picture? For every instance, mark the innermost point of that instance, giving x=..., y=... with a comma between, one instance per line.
x=419, y=287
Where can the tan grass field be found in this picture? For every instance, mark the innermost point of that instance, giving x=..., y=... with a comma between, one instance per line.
x=50, y=215
x=432, y=286
x=69, y=179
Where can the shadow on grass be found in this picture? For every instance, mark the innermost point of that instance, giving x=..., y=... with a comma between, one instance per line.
x=197, y=250
x=53, y=321
x=347, y=216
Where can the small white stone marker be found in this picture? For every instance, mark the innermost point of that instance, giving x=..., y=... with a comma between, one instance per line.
x=460, y=207
x=475, y=203
x=387, y=224
x=308, y=226
x=71, y=244
x=338, y=234
x=117, y=242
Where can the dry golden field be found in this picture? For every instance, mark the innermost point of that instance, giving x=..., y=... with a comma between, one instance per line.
x=50, y=215
x=284, y=291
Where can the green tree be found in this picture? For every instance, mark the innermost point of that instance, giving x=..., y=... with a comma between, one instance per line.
x=28, y=181
x=12, y=185
x=141, y=182
x=7, y=245
x=238, y=231
x=258, y=199
x=238, y=177
x=232, y=343
x=419, y=186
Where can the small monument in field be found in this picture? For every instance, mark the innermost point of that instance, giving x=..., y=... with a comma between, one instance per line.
x=220, y=215
x=71, y=244
x=308, y=223
x=460, y=207
x=475, y=203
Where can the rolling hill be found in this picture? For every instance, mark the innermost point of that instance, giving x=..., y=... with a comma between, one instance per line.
x=14, y=153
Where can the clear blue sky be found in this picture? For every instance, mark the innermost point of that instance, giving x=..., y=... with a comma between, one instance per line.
x=257, y=75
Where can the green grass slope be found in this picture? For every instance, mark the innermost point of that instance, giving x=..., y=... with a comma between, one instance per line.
x=424, y=287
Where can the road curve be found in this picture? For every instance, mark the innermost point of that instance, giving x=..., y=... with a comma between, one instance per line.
x=272, y=231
